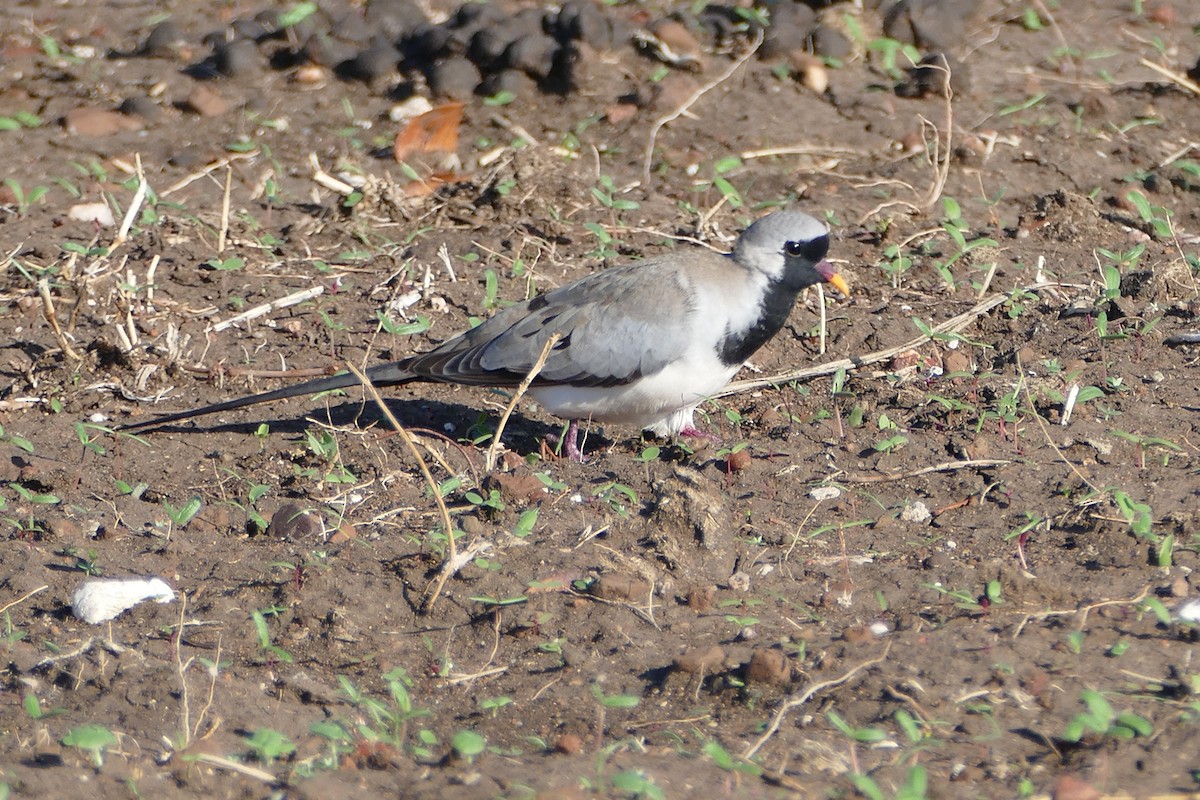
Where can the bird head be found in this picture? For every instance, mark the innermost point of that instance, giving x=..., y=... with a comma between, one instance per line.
x=789, y=246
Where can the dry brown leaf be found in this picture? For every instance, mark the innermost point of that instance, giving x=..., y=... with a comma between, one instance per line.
x=435, y=131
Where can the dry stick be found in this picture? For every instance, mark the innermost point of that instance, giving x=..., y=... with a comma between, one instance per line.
x=494, y=448
x=678, y=112
x=807, y=695
x=185, y=710
x=1082, y=613
x=224, y=231
x=43, y=286
x=1045, y=432
x=213, y=167
x=295, y=298
x=945, y=466
x=1174, y=77
x=951, y=325
x=451, y=551
x=23, y=598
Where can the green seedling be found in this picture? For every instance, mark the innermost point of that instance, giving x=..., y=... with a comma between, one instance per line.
x=606, y=194
x=1156, y=218
x=494, y=704
x=33, y=708
x=274, y=652
x=468, y=745
x=421, y=324
x=1101, y=719
x=269, y=745
x=93, y=739
x=860, y=735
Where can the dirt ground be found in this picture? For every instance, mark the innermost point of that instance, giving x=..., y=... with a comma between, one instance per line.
x=957, y=566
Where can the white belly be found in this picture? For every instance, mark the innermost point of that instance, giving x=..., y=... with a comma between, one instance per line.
x=663, y=402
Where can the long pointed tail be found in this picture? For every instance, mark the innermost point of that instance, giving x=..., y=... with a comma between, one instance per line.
x=391, y=374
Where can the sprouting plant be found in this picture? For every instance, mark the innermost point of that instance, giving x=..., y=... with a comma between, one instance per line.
x=93, y=739
x=606, y=194
x=24, y=201
x=269, y=745
x=956, y=227
x=468, y=744
x=895, y=264
x=276, y=652
x=1101, y=719
x=1157, y=218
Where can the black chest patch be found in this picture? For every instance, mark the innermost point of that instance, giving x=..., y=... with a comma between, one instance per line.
x=737, y=346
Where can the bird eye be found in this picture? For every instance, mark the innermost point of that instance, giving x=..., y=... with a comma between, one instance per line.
x=813, y=250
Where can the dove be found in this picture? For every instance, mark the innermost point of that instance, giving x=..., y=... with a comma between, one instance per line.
x=641, y=344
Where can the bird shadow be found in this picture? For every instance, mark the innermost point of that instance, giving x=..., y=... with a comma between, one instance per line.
x=456, y=421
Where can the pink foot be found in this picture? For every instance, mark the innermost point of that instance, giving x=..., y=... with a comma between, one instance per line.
x=692, y=432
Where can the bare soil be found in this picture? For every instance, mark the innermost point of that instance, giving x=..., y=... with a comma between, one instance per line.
x=984, y=605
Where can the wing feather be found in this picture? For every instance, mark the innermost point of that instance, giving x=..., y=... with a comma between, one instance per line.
x=615, y=326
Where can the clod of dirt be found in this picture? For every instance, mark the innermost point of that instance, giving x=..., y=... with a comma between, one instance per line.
x=454, y=78
x=91, y=121
x=700, y=598
x=376, y=61
x=933, y=74
x=831, y=43
x=621, y=589
x=1071, y=788
x=569, y=744
x=237, y=58
x=293, y=523
x=205, y=101
x=687, y=507
x=701, y=660
x=769, y=666
x=141, y=106
x=936, y=24
x=163, y=41
x=791, y=24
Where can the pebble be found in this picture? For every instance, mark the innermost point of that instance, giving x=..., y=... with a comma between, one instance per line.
x=791, y=24
x=375, y=61
x=916, y=512
x=163, y=41
x=769, y=666
x=293, y=523
x=141, y=106
x=831, y=43
x=237, y=58
x=206, y=102
x=453, y=78
x=697, y=660
x=91, y=121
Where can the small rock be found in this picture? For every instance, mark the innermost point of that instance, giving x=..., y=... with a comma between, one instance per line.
x=453, y=78
x=769, y=666
x=700, y=598
x=738, y=460
x=825, y=493
x=858, y=634
x=831, y=43
x=163, y=41
x=141, y=106
x=293, y=523
x=916, y=512
x=237, y=58
x=701, y=660
x=739, y=581
x=206, y=102
x=622, y=588
x=98, y=213
x=569, y=744
x=379, y=60
x=346, y=532
x=1069, y=787
x=533, y=55
x=91, y=121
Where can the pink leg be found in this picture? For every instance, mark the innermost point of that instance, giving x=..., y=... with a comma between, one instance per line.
x=692, y=432
x=571, y=443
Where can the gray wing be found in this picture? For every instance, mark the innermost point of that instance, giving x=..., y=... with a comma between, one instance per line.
x=615, y=326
